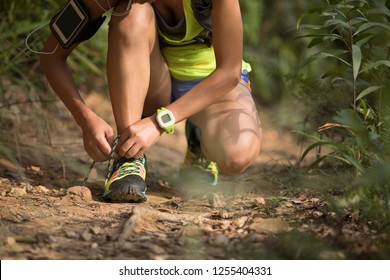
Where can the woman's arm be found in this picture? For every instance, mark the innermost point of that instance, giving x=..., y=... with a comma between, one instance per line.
x=228, y=48
x=97, y=133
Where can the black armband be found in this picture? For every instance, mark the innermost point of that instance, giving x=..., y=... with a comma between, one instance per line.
x=73, y=24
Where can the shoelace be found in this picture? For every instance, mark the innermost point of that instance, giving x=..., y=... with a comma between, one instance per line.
x=134, y=167
x=110, y=164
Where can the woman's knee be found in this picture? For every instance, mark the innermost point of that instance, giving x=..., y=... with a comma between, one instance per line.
x=235, y=159
x=134, y=26
x=235, y=164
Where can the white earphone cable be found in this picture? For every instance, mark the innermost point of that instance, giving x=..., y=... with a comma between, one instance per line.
x=34, y=51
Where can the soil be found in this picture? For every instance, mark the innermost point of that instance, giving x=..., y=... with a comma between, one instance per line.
x=273, y=211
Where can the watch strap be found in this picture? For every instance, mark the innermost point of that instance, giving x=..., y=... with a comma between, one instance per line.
x=170, y=129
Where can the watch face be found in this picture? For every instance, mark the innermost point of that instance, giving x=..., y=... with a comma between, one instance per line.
x=166, y=118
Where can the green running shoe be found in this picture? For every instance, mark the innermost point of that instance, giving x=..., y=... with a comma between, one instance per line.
x=195, y=160
x=127, y=182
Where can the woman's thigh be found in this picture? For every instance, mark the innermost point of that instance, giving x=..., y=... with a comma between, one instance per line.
x=137, y=41
x=160, y=86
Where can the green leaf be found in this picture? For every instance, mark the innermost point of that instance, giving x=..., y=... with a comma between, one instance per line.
x=370, y=25
x=381, y=8
x=356, y=60
x=353, y=161
x=336, y=23
x=363, y=39
x=374, y=65
x=315, y=10
x=330, y=54
x=335, y=146
x=311, y=26
x=350, y=119
x=326, y=55
x=367, y=91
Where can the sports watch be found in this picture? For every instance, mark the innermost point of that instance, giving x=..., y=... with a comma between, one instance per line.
x=166, y=120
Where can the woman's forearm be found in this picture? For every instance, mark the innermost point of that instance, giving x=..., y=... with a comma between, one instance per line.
x=60, y=79
x=207, y=92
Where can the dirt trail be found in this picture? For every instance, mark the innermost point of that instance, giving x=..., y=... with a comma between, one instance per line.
x=46, y=214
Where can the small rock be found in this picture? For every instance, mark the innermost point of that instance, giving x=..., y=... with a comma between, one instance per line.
x=9, y=241
x=71, y=234
x=240, y=222
x=94, y=245
x=288, y=204
x=96, y=230
x=5, y=181
x=198, y=220
x=80, y=191
x=28, y=187
x=42, y=189
x=259, y=201
x=318, y=214
x=17, y=192
x=315, y=200
x=35, y=168
x=224, y=214
x=86, y=236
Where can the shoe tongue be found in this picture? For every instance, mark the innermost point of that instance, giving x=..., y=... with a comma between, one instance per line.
x=121, y=161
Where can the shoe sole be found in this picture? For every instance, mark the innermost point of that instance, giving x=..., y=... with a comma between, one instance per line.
x=133, y=198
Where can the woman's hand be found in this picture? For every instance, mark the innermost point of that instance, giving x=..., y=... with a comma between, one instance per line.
x=136, y=139
x=98, y=138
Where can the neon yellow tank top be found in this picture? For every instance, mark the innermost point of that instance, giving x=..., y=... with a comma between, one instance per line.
x=186, y=59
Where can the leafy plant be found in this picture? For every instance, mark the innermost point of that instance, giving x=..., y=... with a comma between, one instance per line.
x=353, y=36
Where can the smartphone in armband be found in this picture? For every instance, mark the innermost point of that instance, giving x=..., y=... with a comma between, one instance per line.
x=69, y=24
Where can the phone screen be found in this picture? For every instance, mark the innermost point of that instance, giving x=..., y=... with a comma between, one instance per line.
x=68, y=21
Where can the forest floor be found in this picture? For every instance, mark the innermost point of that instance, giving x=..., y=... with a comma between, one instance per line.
x=273, y=211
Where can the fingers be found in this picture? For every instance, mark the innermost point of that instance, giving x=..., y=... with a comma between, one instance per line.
x=127, y=147
x=100, y=149
x=96, y=153
x=105, y=144
x=137, y=139
x=110, y=136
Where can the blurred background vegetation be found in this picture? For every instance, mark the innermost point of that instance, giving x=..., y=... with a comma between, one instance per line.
x=321, y=67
